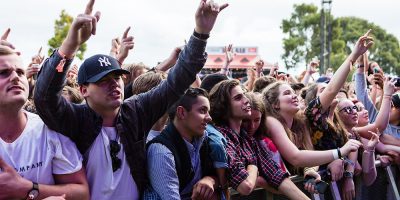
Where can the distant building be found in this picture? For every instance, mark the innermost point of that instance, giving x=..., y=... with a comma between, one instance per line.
x=245, y=58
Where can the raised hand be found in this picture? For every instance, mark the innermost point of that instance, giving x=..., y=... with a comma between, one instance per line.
x=115, y=43
x=206, y=15
x=312, y=67
x=228, y=54
x=388, y=86
x=3, y=39
x=259, y=66
x=362, y=45
x=126, y=45
x=273, y=70
x=38, y=58
x=83, y=26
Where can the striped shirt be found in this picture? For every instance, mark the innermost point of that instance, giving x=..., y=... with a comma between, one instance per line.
x=162, y=171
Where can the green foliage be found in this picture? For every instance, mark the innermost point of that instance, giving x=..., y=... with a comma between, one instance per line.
x=303, y=39
x=61, y=28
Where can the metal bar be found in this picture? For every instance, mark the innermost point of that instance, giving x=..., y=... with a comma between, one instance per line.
x=335, y=191
x=392, y=182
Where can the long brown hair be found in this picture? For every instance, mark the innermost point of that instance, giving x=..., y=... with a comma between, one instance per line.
x=256, y=103
x=309, y=94
x=299, y=134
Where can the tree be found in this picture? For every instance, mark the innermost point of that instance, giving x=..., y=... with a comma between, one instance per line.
x=303, y=39
x=61, y=29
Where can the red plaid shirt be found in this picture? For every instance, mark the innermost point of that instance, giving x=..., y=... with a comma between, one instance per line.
x=242, y=151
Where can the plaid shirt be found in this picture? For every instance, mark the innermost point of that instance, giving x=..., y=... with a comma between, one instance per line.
x=242, y=151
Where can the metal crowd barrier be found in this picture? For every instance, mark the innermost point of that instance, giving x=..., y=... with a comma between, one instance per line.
x=261, y=194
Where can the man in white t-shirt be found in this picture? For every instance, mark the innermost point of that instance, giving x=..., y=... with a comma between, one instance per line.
x=35, y=162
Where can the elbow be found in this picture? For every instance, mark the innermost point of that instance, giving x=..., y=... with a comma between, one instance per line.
x=296, y=162
x=246, y=187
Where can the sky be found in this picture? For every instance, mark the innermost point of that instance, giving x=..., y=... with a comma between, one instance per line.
x=158, y=25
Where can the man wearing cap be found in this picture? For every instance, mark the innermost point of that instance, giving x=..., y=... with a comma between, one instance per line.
x=109, y=132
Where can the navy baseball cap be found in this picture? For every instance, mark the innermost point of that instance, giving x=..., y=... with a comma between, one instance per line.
x=96, y=67
x=396, y=100
x=323, y=79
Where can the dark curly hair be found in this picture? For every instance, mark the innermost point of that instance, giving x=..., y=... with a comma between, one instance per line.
x=220, y=96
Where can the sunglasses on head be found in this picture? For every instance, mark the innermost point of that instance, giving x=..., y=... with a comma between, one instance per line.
x=115, y=147
x=349, y=109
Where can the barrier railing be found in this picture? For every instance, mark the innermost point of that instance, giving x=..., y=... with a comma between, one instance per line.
x=262, y=194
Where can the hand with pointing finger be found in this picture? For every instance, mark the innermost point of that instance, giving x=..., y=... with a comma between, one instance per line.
x=3, y=39
x=206, y=15
x=126, y=45
x=83, y=26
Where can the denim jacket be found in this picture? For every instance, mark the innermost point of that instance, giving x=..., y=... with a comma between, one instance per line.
x=136, y=115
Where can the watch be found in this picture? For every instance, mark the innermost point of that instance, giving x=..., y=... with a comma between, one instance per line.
x=200, y=35
x=34, y=192
x=348, y=174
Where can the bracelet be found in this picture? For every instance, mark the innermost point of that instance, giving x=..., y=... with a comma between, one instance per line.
x=200, y=35
x=350, y=162
x=339, y=154
x=360, y=65
x=369, y=150
x=335, y=154
x=62, y=54
x=388, y=96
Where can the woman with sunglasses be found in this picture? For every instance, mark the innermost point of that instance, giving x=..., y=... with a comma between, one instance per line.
x=363, y=120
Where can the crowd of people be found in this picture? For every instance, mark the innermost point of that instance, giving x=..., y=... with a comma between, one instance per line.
x=112, y=130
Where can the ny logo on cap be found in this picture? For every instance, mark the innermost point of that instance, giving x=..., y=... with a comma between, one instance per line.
x=104, y=60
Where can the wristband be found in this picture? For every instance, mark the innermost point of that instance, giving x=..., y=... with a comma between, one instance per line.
x=339, y=154
x=360, y=65
x=335, y=154
x=200, y=35
x=348, y=174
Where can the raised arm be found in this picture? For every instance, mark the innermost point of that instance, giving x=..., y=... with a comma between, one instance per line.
x=382, y=120
x=228, y=59
x=55, y=111
x=362, y=90
x=339, y=78
x=191, y=60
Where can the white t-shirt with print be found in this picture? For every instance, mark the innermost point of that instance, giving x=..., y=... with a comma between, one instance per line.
x=103, y=182
x=39, y=152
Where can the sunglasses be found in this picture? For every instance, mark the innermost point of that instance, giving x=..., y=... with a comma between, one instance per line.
x=349, y=109
x=115, y=147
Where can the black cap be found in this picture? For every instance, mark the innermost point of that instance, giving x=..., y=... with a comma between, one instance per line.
x=98, y=66
x=323, y=79
x=210, y=80
x=396, y=100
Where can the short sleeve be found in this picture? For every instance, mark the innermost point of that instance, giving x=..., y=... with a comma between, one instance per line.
x=67, y=159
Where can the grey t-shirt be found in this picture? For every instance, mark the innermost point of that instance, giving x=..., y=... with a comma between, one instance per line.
x=363, y=97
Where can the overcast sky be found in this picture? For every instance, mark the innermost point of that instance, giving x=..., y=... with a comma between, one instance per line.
x=160, y=25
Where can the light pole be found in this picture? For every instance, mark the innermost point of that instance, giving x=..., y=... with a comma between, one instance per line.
x=325, y=50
